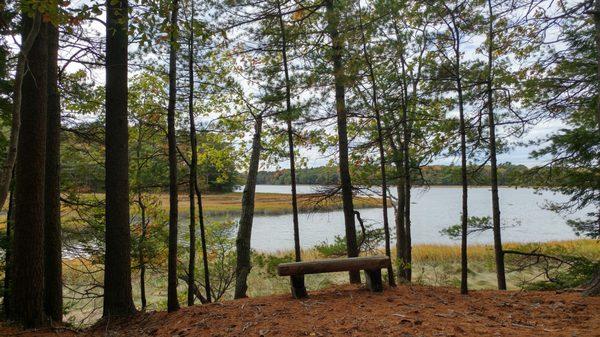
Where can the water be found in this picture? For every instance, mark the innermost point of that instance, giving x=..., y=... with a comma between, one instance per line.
x=432, y=210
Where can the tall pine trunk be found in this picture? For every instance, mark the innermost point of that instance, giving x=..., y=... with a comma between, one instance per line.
x=10, y=221
x=207, y=285
x=406, y=170
x=194, y=189
x=337, y=46
x=407, y=184
x=597, y=38
x=400, y=153
x=27, y=292
x=499, y=255
x=380, y=145
x=399, y=219
x=118, y=299
x=244, y=234
x=53, y=301
x=172, y=301
x=290, y=135
x=143, y=221
x=7, y=170
x=194, y=182
x=463, y=168
x=406, y=271
x=142, y=258
x=193, y=167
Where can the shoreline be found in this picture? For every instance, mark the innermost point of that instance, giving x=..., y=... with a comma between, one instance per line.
x=450, y=246
x=415, y=186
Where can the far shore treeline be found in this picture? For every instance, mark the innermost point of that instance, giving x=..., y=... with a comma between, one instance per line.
x=434, y=175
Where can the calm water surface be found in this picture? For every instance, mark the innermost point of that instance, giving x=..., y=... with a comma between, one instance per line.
x=433, y=209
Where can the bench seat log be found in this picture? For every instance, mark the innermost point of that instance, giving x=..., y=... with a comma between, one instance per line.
x=372, y=266
x=333, y=265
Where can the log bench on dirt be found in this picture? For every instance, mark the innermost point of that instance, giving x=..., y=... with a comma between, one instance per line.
x=372, y=266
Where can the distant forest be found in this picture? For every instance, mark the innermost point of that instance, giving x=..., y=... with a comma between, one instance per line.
x=508, y=175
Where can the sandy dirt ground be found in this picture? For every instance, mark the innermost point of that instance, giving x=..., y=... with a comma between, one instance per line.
x=353, y=311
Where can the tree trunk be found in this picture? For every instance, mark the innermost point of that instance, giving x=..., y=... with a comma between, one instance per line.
x=463, y=170
x=400, y=215
x=380, y=143
x=53, y=302
x=203, y=243
x=407, y=183
x=8, y=166
x=290, y=134
x=337, y=45
x=193, y=167
x=407, y=217
x=142, y=258
x=244, y=234
x=117, y=270
x=408, y=106
x=172, y=300
x=594, y=286
x=500, y=272
x=400, y=227
x=10, y=220
x=143, y=222
x=28, y=249
x=194, y=164
x=597, y=25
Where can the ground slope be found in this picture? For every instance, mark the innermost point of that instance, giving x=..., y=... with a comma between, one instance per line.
x=353, y=311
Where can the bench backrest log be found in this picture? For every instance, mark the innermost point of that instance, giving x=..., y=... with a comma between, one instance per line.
x=333, y=265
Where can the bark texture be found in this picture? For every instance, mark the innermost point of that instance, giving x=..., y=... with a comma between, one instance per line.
x=244, y=234
x=290, y=135
x=27, y=293
x=118, y=299
x=172, y=301
x=337, y=46
x=6, y=173
x=143, y=217
x=593, y=288
x=193, y=166
x=380, y=145
x=407, y=184
x=463, y=168
x=53, y=302
x=8, y=271
x=597, y=26
x=499, y=256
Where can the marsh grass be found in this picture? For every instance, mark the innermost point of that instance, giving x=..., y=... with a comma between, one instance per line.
x=230, y=204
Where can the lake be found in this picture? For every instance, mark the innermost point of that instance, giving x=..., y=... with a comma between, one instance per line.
x=433, y=209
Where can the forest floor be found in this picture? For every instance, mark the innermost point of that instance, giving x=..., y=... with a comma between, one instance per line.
x=353, y=311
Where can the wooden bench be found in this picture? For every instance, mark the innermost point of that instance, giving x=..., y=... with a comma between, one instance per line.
x=372, y=266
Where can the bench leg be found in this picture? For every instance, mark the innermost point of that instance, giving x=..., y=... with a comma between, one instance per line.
x=298, y=288
x=374, y=282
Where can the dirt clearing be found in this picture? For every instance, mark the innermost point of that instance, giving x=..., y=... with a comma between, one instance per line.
x=354, y=311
